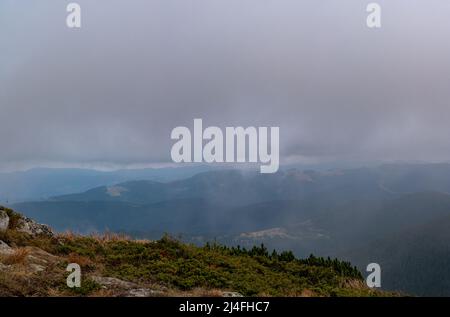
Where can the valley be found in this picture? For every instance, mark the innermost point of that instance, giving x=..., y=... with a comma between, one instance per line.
x=342, y=213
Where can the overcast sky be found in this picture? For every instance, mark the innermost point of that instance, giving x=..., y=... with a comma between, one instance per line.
x=111, y=92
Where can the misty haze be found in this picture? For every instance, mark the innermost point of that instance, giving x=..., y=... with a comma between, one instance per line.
x=89, y=120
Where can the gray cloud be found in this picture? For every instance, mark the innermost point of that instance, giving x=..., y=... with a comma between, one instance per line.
x=112, y=91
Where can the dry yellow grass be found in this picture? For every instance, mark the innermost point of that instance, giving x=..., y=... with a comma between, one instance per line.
x=68, y=235
x=110, y=237
x=103, y=293
x=100, y=238
x=18, y=257
x=79, y=259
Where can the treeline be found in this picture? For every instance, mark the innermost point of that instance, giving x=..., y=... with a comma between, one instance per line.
x=342, y=268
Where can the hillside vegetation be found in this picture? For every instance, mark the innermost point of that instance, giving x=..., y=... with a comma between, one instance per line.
x=396, y=215
x=33, y=264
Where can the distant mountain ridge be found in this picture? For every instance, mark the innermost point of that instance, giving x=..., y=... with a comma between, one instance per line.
x=336, y=212
x=42, y=183
x=240, y=188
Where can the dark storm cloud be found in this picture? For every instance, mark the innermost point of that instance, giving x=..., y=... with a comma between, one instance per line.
x=111, y=92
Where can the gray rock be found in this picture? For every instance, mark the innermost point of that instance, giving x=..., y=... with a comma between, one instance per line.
x=5, y=249
x=128, y=289
x=4, y=220
x=142, y=292
x=112, y=282
x=232, y=294
x=4, y=267
x=36, y=267
x=29, y=226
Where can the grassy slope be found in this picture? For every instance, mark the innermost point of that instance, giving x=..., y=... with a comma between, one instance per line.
x=180, y=268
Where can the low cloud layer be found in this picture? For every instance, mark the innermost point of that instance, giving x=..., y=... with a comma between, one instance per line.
x=111, y=92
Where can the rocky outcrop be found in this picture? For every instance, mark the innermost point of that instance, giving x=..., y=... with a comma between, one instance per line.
x=127, y=289
x=112, y=282
x=4, y=220
x=26, y=225
x=22, y=224
x=5, y=249
x=30, y=259
x=142, y=292
x=232, y=294
x=39, y=259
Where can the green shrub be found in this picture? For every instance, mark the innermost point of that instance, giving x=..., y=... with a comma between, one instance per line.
x=252, y=272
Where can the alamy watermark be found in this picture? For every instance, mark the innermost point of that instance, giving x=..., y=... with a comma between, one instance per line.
x=373, y=19
x=374, y=278
x=241, y=145
x=73, y=19
x=74, y=278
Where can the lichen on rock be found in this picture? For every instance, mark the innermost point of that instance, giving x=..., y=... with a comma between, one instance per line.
x=4, y=220
x=26, y=225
